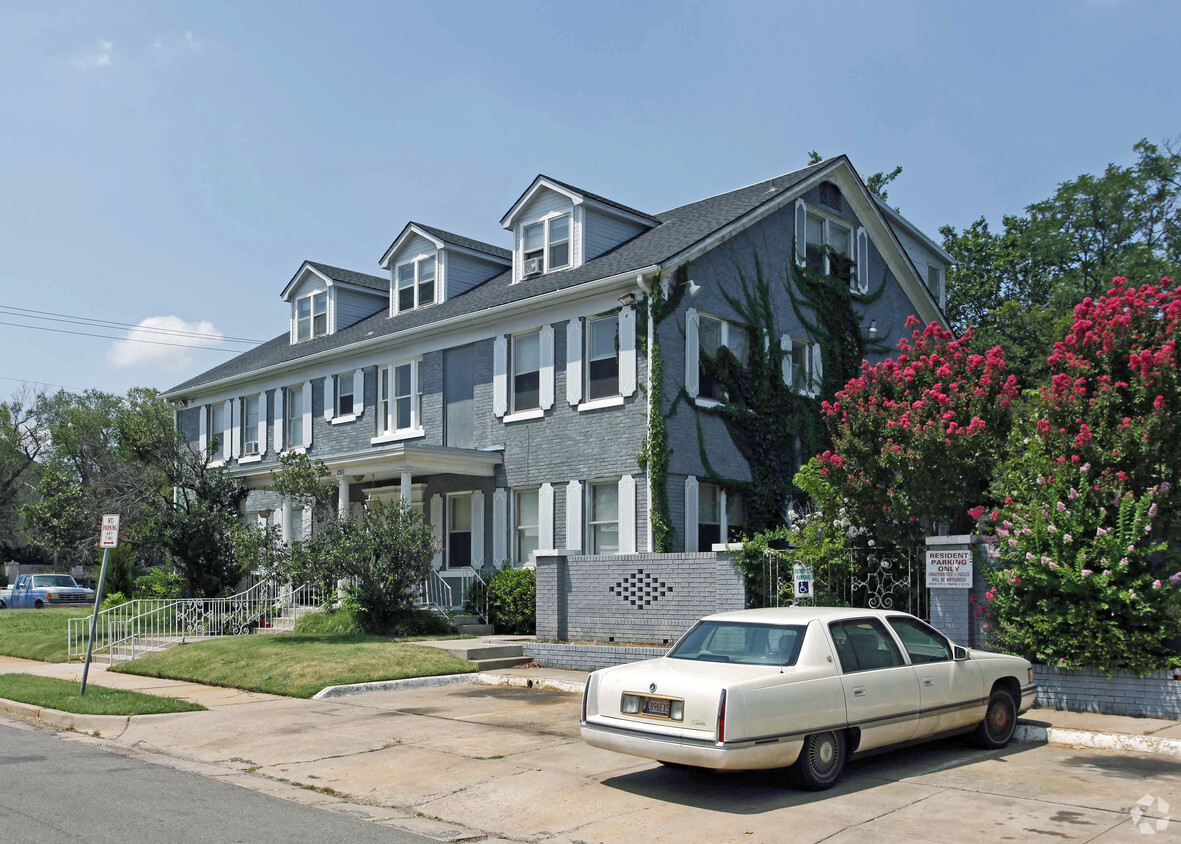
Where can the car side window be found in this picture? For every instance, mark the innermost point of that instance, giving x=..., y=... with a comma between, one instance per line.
x=922, y=643
x=864, y=645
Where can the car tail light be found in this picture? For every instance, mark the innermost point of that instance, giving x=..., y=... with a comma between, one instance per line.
x=1030, y=672
x=585, y=695
x=629, y=704
x=676, y=710
x=722, y=718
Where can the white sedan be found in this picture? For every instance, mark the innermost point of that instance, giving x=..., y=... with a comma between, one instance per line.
x=805, y=687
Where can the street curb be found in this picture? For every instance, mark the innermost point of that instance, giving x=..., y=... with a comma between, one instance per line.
x=71, y=720
x=1123, y=742
x=491, y=678
x=393, y=685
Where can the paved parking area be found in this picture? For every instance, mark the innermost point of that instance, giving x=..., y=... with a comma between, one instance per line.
x=468, y=762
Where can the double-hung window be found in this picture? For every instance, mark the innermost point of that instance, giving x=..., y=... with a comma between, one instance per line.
x=311, y=316
x=293, y=417
x=548, y=240
x=604, y=517
x=709, y=516
x=713, y=333
x=602, y=355
x=216, y=429
x=829, y=246
x=399, y=400
x=416, y=283
x=527, y=524
x=459, y=530
x=344, y=394
x=801, y=366
x=250, y=426
x=526, y=368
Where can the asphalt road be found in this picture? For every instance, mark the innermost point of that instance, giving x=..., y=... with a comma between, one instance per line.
x=61, y=791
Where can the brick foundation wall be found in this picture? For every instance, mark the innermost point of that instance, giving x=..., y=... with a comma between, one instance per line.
x=1084, y=690
x=587, y=657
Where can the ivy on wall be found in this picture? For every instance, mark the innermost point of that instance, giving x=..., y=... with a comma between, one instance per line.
x=772, y=425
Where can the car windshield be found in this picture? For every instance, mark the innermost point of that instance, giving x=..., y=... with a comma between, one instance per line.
x=741, y=643
x=54, y=580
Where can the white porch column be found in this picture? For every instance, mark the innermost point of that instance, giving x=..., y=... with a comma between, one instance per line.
x=405, y=486
x=342, y=496
x=288, y=515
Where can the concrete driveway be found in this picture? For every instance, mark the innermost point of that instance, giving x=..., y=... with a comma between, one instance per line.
x=470, y=761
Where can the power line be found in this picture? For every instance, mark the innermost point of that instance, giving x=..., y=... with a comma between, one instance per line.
x=128, y=339
x=52, y=316
x=46, y=383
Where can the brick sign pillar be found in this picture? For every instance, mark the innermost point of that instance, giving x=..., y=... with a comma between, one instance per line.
x=951, y=611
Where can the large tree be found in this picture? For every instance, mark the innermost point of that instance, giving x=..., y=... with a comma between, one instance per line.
x=22, y=441
x=1018, y=286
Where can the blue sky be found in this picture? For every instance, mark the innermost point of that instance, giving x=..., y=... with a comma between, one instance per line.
x=177, y=162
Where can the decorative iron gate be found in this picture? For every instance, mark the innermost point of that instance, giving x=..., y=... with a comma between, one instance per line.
x=871, y=578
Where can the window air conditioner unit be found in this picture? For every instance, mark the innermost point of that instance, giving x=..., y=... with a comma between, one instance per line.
x=250, y=448
x=533, y=266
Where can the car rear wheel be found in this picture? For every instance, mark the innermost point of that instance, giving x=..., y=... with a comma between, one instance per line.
x=822, y=760
x=1000, y=721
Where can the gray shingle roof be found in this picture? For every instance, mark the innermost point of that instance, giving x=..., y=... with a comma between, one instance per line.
x=597, y=198
x=373, y=282
x=467, y=242
x=679, y=229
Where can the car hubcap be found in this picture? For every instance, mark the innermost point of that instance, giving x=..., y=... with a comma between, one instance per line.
x=824, y=755
x=999, y=720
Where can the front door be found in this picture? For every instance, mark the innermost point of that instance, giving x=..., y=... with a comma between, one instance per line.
x=21, y=591
x=950, y=692
x=459, y=530
x=881, y=690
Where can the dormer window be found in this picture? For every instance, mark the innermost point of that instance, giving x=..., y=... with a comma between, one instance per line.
x=546, y=244
x=311, y=316
x=416, y=284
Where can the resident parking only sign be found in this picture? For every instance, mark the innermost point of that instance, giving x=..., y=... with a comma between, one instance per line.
x=949, y=569
x=110, y=532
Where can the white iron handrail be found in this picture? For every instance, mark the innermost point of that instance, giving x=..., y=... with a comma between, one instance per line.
x=435, y=593
x=143, y=625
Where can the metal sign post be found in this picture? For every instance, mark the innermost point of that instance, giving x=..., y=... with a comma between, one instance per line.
x=109, y=538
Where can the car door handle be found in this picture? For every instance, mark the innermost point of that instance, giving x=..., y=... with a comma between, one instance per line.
x=859, y=691
x=927, y=681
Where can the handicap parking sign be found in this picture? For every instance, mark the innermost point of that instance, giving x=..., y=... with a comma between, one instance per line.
x=803, y=581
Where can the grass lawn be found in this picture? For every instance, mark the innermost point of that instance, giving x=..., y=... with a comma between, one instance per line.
x=54, y=693
x=294, y=664
x=37, y=634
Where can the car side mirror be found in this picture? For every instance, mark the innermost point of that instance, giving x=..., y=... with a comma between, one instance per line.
x=959, y=654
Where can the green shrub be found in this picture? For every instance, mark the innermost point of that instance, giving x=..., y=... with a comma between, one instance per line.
x=347, y=621
x=512, y=601
x=120, y=572
x=3, y=579
x=342, y=622
x=113, y=599
x=159, y=582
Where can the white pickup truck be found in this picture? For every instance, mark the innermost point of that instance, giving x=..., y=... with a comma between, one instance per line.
x=35, y=591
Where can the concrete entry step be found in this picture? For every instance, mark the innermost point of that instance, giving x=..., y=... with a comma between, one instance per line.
x=474, y=649
x=495, y=664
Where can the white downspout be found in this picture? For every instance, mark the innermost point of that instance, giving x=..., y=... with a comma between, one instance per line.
x=651, y=331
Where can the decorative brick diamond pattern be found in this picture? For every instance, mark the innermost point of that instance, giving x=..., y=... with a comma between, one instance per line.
x=640, y=589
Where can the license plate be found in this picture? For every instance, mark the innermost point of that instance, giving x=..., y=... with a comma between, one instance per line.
x=655, y=706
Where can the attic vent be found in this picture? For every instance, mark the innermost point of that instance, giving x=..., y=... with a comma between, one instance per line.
x=830, y=195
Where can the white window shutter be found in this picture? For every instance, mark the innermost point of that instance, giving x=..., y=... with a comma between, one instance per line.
x=359, y=392
x=692, y=377
x=280, y=415
x=817, y=369
x=477, y=529
x=203, y=428
x=801, y=231
x=692, y=491
x=499, y=526
x=224, y=434
x=574, y=360
x=545, y=517
x=627, y=350
x=547, y=367
x=499, y=375
x=437, y=530
x=236, y=432
x=574, y=516
x=785, y=347
x=264, y=410
x=307, y=414
x=627, y=515
x=329, y=397
x=306, y=524
x=862, y=260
